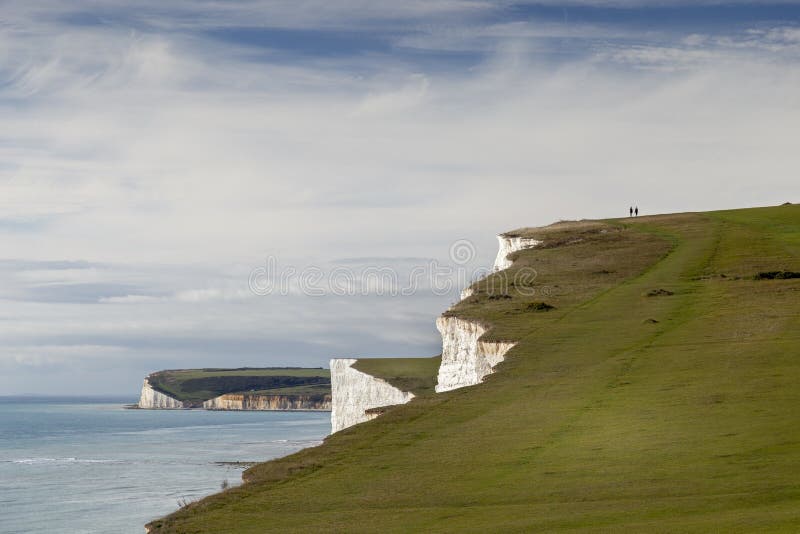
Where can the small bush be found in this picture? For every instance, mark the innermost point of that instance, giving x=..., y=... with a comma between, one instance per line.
x=776, y=275
x=540, y=307
x=659, y=293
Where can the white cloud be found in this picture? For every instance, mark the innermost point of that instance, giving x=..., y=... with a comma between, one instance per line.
x=396, y=100
x=695, y=39
x=212, y=294
x=789, y=34
x=130, y=299
x=38, y=356
x=176, y=163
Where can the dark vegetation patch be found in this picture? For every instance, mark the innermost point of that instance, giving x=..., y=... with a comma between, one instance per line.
x=229, y=384
x=539, y=307
x=777, y=275
x=499, y=296
x=650, y=321
x=659, y=293
x=377, y=411
x=712, y=277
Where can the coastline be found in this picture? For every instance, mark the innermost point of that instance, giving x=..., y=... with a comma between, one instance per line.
x=110, y=455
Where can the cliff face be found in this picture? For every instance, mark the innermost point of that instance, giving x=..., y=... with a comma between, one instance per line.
x=509, y=245
x=357, y=395
x=465, y=359
x=155, y=400
x=239, y=401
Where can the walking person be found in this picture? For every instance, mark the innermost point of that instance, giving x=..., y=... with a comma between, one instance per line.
x=636, y=211
x=631, y=211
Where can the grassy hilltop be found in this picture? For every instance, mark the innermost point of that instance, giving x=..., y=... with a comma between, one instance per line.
x=197, y=385
x=659, y=393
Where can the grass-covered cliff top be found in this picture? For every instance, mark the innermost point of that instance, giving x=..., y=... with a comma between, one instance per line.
x=559, y=231
x=659, y=393
x=197, y=385
x=417, y=375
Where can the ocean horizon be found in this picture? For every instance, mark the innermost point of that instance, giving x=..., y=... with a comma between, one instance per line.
x=89, y=465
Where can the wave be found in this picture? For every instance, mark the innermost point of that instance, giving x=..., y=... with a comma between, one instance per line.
x=174, y=429
x=69, y=460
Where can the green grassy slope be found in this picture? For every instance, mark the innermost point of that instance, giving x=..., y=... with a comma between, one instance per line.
x=198, y=385
x=616, y=410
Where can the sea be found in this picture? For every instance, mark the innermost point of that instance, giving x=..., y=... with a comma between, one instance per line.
x=89, y=465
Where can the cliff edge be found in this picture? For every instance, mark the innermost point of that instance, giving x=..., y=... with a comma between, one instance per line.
x=151, y=399
x=361, y=390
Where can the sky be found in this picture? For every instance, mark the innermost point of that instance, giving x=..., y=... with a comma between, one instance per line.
x=271, y=183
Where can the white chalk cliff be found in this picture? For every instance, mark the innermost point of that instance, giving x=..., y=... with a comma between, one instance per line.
x=155, y=400
x=240, y=401
x=355, y=394
x=465, y=359
x=509, y=245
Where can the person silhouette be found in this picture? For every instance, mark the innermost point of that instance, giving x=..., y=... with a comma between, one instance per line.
x=631, y=211
x=636, y=211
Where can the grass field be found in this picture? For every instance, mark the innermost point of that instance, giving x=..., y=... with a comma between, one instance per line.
x=198, y=385
x=616, y=410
